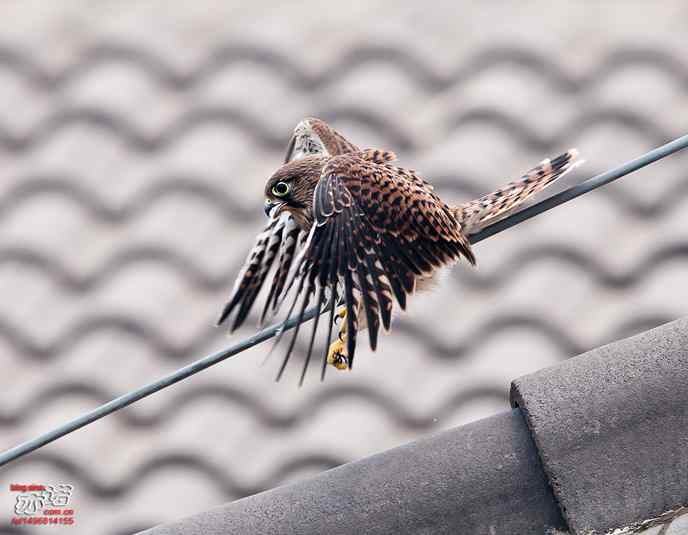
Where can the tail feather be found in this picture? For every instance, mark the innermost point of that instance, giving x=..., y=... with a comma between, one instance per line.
x=476, y=215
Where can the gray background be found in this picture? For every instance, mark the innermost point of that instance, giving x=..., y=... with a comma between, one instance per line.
x=135, y=138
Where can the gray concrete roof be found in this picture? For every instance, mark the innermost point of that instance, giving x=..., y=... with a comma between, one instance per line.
x=485, y=475
x=609, y=427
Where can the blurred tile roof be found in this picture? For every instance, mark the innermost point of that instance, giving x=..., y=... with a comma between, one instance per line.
x=134, y=142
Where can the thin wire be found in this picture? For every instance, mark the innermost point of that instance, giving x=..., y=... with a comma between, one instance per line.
x=267, y=333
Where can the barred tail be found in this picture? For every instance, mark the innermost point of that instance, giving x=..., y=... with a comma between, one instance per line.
x=476, y=215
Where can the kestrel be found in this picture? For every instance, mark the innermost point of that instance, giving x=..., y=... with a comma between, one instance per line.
x=356, y=233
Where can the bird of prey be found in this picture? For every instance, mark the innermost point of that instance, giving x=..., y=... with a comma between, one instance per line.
x=355, y=234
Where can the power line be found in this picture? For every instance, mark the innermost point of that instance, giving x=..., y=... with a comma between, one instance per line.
x=269, y=332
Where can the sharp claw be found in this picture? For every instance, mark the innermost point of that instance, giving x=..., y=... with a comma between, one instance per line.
x=341, y=362
x=340, y=316
x=336, y=355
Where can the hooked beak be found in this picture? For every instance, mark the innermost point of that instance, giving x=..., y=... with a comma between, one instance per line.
x=270, y=206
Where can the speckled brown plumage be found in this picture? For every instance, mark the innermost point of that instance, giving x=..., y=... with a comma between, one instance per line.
x=369, y=233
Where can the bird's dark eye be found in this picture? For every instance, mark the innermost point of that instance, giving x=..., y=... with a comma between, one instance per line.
x=280, y=189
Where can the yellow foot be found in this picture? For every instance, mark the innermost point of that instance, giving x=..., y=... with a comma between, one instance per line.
x=336, y=356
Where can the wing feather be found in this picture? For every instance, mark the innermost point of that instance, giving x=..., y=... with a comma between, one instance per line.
x=280, y=235
x=288, y=246
x=315, y=137
x=250, y=272
x=364, y=276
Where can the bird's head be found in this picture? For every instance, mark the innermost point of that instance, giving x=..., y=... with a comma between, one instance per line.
x=291, y=188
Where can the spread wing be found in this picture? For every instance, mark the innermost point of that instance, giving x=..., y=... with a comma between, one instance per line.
x=377, y=229
x=281, y=236
x=315, y=137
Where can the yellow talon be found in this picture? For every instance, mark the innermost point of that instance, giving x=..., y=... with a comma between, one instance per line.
x=336, y=356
